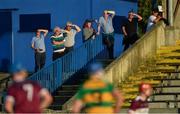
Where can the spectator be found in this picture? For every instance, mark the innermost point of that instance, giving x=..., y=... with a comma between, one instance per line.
x=25, y=96
x=58, y=40
x=140, y=104
x=153, y=19
x=70, y=39
x=160, y=9
x=105, y=22
x=88, y=31
x=97, y=95
x=39, y=48
x=129, y=29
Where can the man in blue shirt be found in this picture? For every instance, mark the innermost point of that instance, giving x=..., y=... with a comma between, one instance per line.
x=39, y=48
x=105, y=22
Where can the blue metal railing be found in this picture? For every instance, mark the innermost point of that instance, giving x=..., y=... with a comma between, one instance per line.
x=63, y=68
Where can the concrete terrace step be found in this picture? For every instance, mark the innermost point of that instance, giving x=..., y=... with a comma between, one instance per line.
x=167, y=89
x=177, y=42
x=164, y=97
x=171, y=82
x=172, y=62
x=55, y=107
x=4, y=76
x=70, y=87
x=59, y=100
x=173, y=55
x=65, y=93
x=164, y=104
x=155, y=111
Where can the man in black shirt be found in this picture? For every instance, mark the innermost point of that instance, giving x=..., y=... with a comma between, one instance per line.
x=129, y=29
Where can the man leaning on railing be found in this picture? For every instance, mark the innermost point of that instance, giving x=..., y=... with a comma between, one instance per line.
x=106, y=23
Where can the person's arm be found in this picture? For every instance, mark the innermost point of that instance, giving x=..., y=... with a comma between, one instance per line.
x=10, y=100
x=112, y=13
x=32, y=45
x=47, y=98
x=65, y=31
x=138, y=16
x=44, y=31
x=78, y=29
x=77, y=106
x=57, y=43
x=157, y=19
x=99, y=26
x=99, y=29
x=119, y=100
x=9, y=104
x=124, y=31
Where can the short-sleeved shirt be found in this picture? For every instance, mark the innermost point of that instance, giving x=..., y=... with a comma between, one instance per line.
x=150, y=22
x=58, y=47
x=25, y=96
x=87, y=33
x=70, y=39
x=138, y=106
x=97, y=96
x=107, y=26
x=39, y=43
x=131, y=26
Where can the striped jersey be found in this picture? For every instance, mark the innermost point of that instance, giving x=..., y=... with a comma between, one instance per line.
x=97, y=96
x=58, y=47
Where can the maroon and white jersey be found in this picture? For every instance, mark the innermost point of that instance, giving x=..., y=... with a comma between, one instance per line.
x=138, y=106
x=26, y=96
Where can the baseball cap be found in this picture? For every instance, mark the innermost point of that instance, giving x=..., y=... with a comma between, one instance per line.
x=160, y=8
x=94, y=68
x=15, y=68
x=68, y=23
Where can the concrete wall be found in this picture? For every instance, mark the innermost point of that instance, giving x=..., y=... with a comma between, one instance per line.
x=172, y=34
x=128, y=63
x=61, y=11
x=177, y=18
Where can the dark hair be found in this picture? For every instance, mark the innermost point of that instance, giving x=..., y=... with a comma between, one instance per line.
x=155, y=10
x=87, y=21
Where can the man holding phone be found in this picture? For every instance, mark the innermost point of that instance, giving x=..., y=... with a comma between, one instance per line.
x=38, y=45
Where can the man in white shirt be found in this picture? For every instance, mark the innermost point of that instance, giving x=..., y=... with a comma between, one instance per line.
x=72, y=30
x=153, y=19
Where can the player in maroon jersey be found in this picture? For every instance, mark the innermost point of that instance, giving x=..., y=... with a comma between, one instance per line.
x=25, y=96
x=140, y=104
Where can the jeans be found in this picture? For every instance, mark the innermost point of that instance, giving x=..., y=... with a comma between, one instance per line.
x=40, y=59
x=108, y=40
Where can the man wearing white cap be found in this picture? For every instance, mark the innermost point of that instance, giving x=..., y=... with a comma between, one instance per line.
x=70, y=39
x=160, y=9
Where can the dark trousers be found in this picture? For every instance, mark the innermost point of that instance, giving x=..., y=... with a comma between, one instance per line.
x=108, y=40
x=40, y=59
x=57, y=55
x=69, y=49
x=130, y=40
